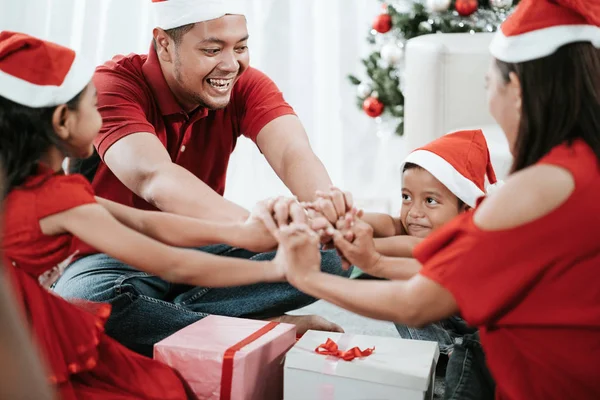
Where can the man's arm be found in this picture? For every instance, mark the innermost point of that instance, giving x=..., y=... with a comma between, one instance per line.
x=285, y=145
x=142, y=163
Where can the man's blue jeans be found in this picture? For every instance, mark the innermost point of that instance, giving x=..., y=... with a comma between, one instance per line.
x=146, y=309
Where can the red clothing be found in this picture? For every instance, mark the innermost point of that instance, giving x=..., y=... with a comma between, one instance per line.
x=532, y=290
x=83, y=362
x=133, y=97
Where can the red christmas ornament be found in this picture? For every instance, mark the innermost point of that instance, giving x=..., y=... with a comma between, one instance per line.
x=382, y=23
x=466, y=7
x=373, y=107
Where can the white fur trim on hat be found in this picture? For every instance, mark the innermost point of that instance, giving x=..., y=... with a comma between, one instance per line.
x=541, y=43
x=443, y=171
x=171, y=14
x=36, y=96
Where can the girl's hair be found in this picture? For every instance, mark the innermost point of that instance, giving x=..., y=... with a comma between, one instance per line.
x=25, y=135
x=561, y=101
x=408, y=166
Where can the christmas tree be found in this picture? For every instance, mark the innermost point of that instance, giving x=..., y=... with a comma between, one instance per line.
x=379, y=94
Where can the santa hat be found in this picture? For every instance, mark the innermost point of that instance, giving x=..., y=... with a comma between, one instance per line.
x=538, y=28
x=36, y=73
x=460, y=161
x=171, y=14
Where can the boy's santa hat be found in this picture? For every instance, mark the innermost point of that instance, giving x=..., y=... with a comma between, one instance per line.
x=171, y=14
x=36, y=73
x=460, y=161
x=538, y=28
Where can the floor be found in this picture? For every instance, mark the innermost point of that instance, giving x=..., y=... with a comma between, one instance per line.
x=353, y=323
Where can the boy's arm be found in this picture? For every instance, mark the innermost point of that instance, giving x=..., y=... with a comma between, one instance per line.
x=396, y=246
x=383, y=225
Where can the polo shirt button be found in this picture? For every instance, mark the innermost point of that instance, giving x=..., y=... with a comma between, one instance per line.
x=182, y=148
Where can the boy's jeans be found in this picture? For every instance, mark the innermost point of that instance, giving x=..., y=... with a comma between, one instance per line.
x=467, y=376
x=146, y=309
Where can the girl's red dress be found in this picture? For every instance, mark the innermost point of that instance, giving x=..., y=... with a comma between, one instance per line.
x=533, y=291
x=83, y=362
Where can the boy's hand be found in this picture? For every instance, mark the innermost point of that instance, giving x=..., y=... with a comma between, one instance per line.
x=361, y=251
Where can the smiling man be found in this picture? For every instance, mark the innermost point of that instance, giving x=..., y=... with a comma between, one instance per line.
x=171, y=119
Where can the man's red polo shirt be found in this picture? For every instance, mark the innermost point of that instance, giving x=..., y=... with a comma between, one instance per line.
x=133, y=96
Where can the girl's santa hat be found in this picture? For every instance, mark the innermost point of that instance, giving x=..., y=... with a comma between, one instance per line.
x=538, y=28
x=460, y=161
x=36, y=73
x=171, y=14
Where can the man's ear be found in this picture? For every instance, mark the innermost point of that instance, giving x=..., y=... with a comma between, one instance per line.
x=163, y=44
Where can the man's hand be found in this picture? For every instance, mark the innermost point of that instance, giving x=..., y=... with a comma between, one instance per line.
x=276, y=212
x=333, y=204
x=360, y=251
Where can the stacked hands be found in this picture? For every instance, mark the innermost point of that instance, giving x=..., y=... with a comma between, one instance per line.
x=301, y=229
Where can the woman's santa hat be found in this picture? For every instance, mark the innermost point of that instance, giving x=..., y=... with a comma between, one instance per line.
x=36, y=73
x=538, y=28
x=171, y=14
x=460, y=161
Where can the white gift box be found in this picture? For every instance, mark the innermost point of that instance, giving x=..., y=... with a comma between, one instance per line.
x=397, y=369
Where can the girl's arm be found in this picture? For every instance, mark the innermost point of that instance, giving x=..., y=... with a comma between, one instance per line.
x=98, y=228
x=181, y=231
x=22, y=375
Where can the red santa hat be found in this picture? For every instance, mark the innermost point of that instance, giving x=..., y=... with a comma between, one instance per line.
x=460, y=161
x=538, y=28
x=171, y=14
x=36, y=73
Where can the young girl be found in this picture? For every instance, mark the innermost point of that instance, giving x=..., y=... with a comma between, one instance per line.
x=522, y=266
x=47, y=111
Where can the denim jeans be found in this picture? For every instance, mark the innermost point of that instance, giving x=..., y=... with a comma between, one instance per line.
x=467, y=376
x=146, y=309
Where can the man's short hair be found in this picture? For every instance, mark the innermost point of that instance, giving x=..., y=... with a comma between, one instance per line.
x=177, y=33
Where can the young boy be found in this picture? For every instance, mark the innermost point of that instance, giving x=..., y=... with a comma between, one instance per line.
x=439, y=181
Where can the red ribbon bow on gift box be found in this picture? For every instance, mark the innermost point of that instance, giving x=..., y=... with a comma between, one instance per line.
x=330, y=348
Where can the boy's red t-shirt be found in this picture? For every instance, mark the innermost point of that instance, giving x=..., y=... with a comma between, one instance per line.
x=533, y=290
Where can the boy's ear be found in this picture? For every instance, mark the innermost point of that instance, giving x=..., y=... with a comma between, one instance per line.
x=464, y=207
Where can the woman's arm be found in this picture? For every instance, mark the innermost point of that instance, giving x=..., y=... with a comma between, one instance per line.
x=98, y=228
x=414, y=302
x=182, y=231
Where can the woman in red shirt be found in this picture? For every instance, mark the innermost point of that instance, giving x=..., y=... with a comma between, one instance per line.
x=523, y=266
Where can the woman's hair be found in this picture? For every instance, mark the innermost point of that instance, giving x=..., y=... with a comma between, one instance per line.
x=408, y=166
x=25, y=135
x=561, y=101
